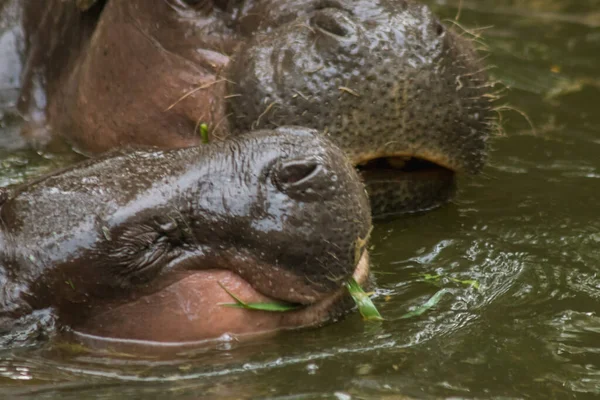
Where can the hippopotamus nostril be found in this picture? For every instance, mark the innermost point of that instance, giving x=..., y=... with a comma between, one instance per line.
x=332, y=21
x=295, y=175
x=439, y=29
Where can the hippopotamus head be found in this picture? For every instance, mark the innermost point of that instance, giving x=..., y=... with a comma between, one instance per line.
x=139, y=245
x=401, y=94
x=385, y=80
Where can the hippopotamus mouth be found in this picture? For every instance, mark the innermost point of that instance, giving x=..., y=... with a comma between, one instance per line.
x=196, y=307
x=400, y=167
x=392, y=164
x=401, y=183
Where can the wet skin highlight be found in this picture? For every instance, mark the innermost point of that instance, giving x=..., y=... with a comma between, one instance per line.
x=116, y=244
x=385, y=80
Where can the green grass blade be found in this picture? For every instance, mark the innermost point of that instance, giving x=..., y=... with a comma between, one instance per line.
x=365, y=306
x=204, y=133
x=238, y=301
x=431, y=277
x=429, y=304
x=437, y=280
x=468, y=282
x=272, y=307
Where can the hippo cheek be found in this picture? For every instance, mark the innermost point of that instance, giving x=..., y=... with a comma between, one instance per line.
x=193, y=309
x=405, y=98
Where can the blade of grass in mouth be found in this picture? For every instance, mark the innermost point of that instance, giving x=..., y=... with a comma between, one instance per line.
x=272, y=307
x=365, y=306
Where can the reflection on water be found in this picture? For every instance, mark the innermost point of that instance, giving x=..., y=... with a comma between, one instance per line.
x=526, y=230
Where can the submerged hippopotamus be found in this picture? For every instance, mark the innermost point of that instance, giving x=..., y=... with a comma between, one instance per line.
x=403, y=96
x=140, y=245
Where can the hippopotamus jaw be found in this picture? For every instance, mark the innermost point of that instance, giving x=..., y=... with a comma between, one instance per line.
x=191, y=309
x=278, y=282
x=188, y=301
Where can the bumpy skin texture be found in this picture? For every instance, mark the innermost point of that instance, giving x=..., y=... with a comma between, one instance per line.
x=379, y=77
x=382, y=78
x=282, y=209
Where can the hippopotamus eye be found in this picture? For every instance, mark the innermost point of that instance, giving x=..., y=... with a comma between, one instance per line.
x=289, y=174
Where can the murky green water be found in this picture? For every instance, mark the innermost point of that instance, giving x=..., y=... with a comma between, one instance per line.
x=527, y=229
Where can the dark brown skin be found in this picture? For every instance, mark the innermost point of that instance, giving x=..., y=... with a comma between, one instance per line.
x=384, y=79
x=134, y=246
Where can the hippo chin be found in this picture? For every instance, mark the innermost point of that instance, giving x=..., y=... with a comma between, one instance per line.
x=385, y=80
x=140, y=246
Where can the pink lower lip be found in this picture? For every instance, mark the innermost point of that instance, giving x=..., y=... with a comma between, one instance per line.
x=191, y=310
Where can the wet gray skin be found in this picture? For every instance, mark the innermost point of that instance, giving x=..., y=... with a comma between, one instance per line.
x=385, y=80
x=404, y=96
x=282, y=210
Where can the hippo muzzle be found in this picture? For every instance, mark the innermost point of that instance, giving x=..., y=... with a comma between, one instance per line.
x=403, y=96
x=140, y=245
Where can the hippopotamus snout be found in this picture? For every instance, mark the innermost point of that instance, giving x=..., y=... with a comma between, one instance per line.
x=142, y=245
x=403, y=96
x=309, y=198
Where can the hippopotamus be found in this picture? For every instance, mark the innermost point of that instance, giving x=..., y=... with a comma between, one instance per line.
x=405, y=97
x=142, y=245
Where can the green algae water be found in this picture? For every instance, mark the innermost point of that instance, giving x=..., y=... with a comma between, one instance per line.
x=517, y=255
